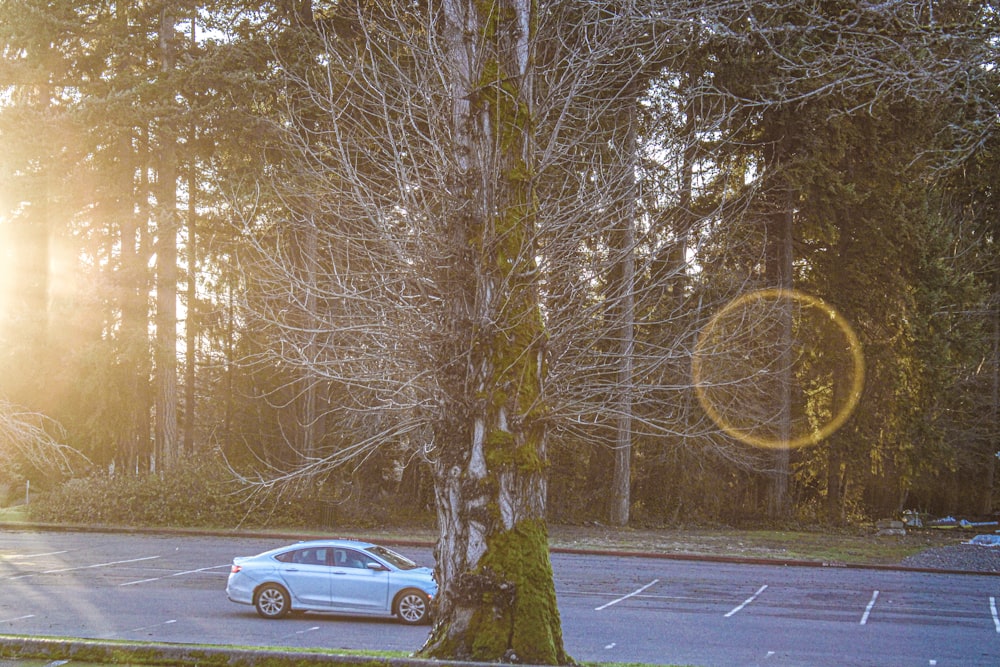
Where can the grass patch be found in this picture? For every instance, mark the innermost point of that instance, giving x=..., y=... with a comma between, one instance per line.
x=847, y=548
x=88, y=652
x=16, y=514
x=99, y=652
x=856, y=547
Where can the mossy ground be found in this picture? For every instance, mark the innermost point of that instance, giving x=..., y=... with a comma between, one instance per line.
x=858, y=546
x=15, y=514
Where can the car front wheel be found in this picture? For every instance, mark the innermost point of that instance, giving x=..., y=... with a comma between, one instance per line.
x=272, y=601
x=412, y=607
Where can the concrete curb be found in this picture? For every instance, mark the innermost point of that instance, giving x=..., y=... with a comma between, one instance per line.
x=95, y=651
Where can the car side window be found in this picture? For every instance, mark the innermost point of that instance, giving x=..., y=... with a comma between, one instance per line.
x=304, y=556
x=363, y=560
x=351, y=558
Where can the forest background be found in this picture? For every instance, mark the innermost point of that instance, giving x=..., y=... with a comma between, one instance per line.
x=217, y=304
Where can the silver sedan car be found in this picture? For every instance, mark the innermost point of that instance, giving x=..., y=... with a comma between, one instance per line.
x=338, y=576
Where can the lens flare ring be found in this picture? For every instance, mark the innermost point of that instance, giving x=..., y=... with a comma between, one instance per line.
x=704, y=356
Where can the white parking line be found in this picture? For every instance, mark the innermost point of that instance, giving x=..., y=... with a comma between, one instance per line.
x=83, y=567
x=993, y=610
x=175, y=574
x=747, y=601
x=154, y=625
x=19, y=618
x=868, y=609
x=301, y=632
x=26, y=556
x=626, y=597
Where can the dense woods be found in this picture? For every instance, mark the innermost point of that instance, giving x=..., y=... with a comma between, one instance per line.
x=221, y=227
x=466, y=260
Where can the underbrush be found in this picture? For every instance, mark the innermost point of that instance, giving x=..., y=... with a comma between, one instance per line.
x=205, y=495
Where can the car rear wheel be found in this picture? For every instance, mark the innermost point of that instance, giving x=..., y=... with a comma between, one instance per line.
x=272, y=601
x=412, y=607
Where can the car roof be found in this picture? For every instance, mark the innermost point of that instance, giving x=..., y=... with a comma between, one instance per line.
x=306, y=544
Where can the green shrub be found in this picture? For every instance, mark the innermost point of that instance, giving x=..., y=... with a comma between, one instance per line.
x=207, y=495
x=198, y=495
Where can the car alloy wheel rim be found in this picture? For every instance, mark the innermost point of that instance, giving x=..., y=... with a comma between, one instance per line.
x=411, y=607
x=271, y=602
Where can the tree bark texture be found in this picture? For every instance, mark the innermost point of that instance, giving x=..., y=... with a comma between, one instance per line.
x=994, y=408
x=780, y=258
x=166, y=269
x=623, y=296
x=134, y=443
x=497, y=598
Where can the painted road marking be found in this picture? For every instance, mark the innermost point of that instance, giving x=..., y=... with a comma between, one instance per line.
x=993, y=610
x=301, y=632
x=747, y=601
x=868, y=609
x=626, y=597
x=154, y=625
x=175, y=574
x=26, y=556
x=19, y=618
x=83, y=567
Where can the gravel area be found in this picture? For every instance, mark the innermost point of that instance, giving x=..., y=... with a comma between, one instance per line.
x=964, y=557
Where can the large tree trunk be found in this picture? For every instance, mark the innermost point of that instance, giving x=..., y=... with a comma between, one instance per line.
x=191, y=320
x=132, y=453
x=623, y=297
x=834, y=504
x=779, y=274
x=497, y=599
x=993, y=443
x=166, y=268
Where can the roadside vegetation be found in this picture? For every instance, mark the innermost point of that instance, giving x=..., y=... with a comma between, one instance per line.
x=886, y=177
x=84, y=653
x=209, y=499
x=205, y=494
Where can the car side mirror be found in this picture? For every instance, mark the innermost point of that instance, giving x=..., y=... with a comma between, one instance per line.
x=377, y=567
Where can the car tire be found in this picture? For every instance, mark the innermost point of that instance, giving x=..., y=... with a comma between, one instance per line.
x=272, y=601
x=412, y=607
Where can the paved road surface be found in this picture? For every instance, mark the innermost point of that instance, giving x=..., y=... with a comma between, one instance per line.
x=171, y=589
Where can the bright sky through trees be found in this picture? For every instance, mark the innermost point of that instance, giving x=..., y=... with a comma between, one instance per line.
x=429, y=238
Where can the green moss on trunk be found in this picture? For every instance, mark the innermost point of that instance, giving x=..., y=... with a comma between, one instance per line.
x=529, y=627
x=499, y=603
x=515, y=617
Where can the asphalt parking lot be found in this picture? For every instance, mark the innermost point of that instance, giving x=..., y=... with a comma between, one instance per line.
x=170, y=588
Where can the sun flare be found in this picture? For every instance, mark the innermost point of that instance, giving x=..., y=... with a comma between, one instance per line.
x=7, y=263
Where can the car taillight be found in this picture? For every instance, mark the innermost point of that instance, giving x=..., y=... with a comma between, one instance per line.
x=236, y=568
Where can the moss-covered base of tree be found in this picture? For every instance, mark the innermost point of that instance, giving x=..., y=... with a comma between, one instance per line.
x=510, y=604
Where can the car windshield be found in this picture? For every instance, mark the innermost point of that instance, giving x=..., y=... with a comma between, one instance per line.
x=402, y=562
